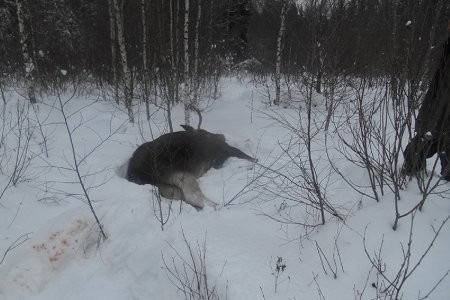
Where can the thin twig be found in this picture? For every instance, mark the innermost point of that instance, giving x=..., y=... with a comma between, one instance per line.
x=18, y=242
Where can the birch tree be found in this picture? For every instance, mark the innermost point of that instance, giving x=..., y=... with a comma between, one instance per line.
x=173, y=23
x=27, y=58
x=281, y=31
x=144, y=60
x=128, y=82
x=196, y=53
x=187, y=79
x=112, y=26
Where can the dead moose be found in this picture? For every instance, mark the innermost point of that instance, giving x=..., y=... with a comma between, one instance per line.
x=174, y=161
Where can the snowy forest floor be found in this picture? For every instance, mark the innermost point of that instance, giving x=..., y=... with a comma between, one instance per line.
x=254, y=246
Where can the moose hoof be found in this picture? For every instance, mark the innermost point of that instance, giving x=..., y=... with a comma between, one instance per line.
x=212, y=204
x=203, y=203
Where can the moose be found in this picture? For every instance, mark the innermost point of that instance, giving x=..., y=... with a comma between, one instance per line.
x=174, y=161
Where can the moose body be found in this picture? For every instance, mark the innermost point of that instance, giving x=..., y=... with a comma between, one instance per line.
x=174, y=161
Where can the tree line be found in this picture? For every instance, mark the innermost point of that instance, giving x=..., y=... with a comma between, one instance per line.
x=167, y=41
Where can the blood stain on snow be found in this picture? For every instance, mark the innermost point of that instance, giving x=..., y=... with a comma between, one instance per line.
x=62, y=244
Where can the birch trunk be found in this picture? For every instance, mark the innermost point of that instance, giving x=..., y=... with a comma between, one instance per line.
x=144, y=60
x=177, y=54
x=215, y=72
x=319, y=69
x=195, y=75
x=27, y=59
x=394, y=71
x=279, y=51
x=170, y=85
x=112, y=25
x=128, y=83
x=187, y=96
x=172, y=81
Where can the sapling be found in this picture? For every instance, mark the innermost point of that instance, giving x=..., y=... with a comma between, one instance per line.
x=280, y=266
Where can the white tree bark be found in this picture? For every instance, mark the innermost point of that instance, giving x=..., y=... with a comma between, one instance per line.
x=27, y=59
x=197, y=31
x=144, y=60
x=196, y=84
x=112, y=30
x=128, y=83
x=173, y=84
x=177, y=54
x=187, y=79
x=171, y=37
x=144, y=36
x=281, y=32
x=394, y=73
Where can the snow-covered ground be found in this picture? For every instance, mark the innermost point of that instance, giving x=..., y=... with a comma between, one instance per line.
x=48, y=237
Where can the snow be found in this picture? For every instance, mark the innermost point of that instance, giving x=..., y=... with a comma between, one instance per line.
x=58, y=255
x=29, y=67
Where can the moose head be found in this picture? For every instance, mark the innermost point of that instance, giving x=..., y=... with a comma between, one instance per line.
x=174, y=161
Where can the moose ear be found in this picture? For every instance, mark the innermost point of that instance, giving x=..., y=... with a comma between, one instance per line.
x=188, y=128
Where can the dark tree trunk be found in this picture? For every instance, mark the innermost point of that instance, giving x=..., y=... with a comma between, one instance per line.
x=433, y=121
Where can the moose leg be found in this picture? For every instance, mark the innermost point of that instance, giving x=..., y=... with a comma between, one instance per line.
x=188, y=184
x=170, y=192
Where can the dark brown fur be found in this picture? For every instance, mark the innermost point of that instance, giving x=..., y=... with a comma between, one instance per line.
x=174, y=160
